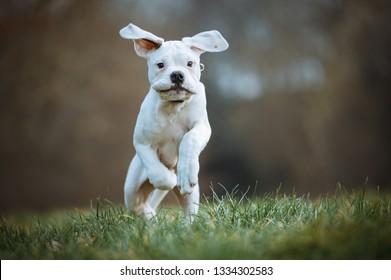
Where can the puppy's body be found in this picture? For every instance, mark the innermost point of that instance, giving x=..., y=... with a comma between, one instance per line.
x=172, y=127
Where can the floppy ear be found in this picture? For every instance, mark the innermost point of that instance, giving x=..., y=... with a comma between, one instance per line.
x=208, y=41
x=144, y=41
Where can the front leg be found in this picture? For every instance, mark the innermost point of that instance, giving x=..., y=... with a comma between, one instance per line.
x=191, y=146
x=158, y=174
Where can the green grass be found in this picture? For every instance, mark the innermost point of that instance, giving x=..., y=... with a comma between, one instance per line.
x=235, y=226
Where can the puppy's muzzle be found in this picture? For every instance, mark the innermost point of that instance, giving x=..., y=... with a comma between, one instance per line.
x=177, y=79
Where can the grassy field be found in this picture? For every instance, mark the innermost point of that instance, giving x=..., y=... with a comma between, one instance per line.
x=235, y=226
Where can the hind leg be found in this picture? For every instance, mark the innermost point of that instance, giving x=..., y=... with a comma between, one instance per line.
x=189, y=203
x=156, y=198
x=137, y=189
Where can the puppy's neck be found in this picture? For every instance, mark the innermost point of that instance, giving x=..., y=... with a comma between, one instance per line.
x=171, y=107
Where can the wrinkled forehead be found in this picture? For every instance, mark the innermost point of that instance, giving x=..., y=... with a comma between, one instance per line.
x=174, y=49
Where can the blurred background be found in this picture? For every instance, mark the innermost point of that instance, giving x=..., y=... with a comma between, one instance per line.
x=300, y=100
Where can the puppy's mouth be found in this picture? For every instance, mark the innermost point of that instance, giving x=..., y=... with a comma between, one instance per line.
x=177, y=89
x=175, y=94
x=177, y=101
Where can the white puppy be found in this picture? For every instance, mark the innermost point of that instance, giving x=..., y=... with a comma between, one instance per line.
x=172, y=127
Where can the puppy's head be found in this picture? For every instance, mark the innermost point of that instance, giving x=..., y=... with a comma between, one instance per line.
x=174, y=67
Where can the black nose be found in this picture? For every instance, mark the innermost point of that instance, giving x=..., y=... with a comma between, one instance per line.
x=177, y=77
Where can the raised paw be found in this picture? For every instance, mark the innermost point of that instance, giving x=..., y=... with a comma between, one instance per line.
x=188, y=176
x=163, y=179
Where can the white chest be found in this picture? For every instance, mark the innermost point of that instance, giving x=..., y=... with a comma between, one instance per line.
x=172, y=128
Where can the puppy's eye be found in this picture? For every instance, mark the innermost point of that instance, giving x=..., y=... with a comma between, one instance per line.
x=190, y=64
x=160, y=65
